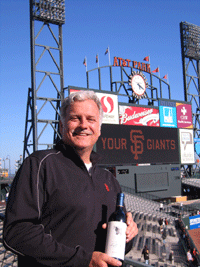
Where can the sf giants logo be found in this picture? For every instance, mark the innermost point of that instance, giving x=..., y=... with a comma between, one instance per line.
x=137, y=138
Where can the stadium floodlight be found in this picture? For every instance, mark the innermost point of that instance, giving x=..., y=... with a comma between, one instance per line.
x=190, y=35
x=52, y=11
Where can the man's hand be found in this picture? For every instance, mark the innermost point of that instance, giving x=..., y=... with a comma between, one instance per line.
x=131, y=230
x=100, y=259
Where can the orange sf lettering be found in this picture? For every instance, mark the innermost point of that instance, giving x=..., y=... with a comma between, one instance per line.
x=136, y=137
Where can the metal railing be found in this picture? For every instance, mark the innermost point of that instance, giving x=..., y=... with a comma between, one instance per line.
x=132, y=263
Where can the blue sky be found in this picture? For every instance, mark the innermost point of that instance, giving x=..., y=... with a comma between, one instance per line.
x=132, y=29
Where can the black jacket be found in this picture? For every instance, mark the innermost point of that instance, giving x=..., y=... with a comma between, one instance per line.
x=145, y=252
x=56, y=209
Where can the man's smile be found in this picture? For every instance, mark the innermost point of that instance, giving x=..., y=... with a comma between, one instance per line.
x=81, y=133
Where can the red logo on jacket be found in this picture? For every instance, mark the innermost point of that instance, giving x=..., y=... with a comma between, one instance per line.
x=107, y=188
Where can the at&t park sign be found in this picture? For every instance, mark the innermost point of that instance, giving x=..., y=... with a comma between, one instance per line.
x=120, y=62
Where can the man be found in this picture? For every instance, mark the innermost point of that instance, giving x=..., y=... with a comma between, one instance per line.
x=60, y=199
x=189, y=258
x=195, y=256
x=145, y=252
x=171, y=257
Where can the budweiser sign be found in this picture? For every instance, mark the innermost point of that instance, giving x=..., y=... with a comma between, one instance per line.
x=130, y=115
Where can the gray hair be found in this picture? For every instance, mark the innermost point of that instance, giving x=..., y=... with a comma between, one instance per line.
x=80, y=96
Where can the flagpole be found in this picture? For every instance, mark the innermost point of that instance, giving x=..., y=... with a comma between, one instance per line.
x=109, y=55
x=108, y=52
x=86, y=63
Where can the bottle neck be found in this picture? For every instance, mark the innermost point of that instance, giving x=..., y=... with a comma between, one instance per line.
x=120, y=200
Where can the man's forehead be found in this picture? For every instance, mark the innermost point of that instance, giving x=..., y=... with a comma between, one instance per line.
x=73, y=107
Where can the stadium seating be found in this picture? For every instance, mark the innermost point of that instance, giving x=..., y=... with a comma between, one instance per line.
x=7, y=258
x=146, y=213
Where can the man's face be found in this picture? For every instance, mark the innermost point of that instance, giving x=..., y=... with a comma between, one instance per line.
x=81, y=127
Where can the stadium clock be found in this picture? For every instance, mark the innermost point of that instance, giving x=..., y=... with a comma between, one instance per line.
x=138, y=84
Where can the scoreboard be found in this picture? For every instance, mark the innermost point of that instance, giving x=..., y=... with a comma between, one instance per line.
x=129, y=144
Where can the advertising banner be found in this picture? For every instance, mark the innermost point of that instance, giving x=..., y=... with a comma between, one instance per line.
x=186, y=146
x=167, y=111
x=194, y=222
x=130, y=115
x=184, y=115
x=138, y=144
x=109, y=104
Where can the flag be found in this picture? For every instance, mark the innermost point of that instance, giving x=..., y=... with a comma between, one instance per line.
x=97, y=58
x=84, y=62
x=165, y=77
x=108, y=52
x=146, y=58
x=156, y=70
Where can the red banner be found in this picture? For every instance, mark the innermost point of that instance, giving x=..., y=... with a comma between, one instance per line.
x=184, y=115
x=130, y=115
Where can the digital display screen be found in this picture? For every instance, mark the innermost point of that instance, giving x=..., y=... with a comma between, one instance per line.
x=129, y=144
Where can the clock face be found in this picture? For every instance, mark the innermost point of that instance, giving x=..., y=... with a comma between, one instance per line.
x=138, y=84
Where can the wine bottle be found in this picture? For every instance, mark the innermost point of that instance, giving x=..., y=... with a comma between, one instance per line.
x=116, y=233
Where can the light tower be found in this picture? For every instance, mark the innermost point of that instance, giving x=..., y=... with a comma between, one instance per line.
x=47, y=81
x=190, y=49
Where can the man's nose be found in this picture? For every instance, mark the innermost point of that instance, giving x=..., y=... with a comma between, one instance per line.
x=83, y=122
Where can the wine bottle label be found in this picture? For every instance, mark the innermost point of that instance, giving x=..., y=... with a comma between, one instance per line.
x=116, y=239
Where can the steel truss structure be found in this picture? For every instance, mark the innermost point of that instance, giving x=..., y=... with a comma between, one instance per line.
x=118, y=83
x=47, y=81
x=190, y=50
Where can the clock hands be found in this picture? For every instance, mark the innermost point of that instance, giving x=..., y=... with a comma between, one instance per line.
x=140, y=86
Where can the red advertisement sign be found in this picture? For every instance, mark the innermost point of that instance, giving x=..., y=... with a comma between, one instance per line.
x=184, y=115
x=130, y=115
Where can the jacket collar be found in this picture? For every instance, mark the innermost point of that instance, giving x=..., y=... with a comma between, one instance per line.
x=71, y=153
